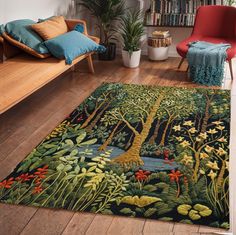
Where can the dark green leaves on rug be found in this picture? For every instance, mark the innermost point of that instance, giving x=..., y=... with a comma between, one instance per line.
x=140, y=151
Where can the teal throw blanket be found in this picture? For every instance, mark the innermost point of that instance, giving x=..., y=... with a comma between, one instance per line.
x=206, y=62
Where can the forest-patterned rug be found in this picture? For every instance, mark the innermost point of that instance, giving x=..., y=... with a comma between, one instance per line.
x=140, y=151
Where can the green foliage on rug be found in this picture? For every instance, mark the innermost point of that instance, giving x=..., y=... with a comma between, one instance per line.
x=132, y=150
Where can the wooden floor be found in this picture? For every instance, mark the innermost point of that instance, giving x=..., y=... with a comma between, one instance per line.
x=25, y=125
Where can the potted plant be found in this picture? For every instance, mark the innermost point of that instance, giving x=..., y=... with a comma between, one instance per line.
x=132, y=30
x=108, y=14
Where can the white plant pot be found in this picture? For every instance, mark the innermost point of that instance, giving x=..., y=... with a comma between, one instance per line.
x=131, y=61
x=158, y=53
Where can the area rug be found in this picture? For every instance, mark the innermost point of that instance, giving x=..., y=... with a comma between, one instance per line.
x=133, y=150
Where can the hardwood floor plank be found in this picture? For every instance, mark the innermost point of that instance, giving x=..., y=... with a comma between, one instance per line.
x=156, y=227
x=29, y=124
x=178, y=227
x=100, y=225
x=186, y=233
x=120, y=225
x=48, y=222
x=79, y=224
x=14, y=218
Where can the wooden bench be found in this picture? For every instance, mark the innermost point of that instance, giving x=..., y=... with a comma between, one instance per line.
x=21, y=74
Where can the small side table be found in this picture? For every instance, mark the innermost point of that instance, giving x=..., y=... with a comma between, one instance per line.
x=158, y=48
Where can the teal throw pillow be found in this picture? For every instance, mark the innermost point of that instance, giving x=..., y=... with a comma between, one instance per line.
x=70, y=45
x=79, y=28
x=21, y=31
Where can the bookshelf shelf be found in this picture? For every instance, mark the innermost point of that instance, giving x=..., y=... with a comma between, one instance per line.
x=175, y=13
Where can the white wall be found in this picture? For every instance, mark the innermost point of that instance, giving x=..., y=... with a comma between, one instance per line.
x=2, y=11
x=31, y=9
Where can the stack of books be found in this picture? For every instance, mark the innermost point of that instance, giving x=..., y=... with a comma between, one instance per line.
x=175, y=12
x=161, y=34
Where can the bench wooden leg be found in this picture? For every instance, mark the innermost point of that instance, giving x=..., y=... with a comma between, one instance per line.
x=231, y=69
x=181, y=62
x=90, y=64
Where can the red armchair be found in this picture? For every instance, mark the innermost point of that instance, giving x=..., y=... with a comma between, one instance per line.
x=215, y=24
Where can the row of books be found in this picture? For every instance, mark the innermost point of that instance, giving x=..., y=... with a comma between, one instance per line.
x=170, y=19
x=175, y=12
x=180, y=6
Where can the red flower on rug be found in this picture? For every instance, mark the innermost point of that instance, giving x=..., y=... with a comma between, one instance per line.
x=142, y=175
x=7, y=183
x=41, y=172
x=175, y=175
x=80, y=119
x=37, y=190
x=24, y=177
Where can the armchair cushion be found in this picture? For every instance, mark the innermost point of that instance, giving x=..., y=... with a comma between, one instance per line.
x=71, y=45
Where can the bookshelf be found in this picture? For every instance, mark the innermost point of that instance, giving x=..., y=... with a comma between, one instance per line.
x=175, y=13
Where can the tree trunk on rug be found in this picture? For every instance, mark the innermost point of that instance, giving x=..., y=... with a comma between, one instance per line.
x=152, y=140
x=172, y=117
x=97, y=107
x=109, y=139
x=220, y=178
x=207, y=114
x=165, y=131
x=132, y=156
x=92, y=124
x=196, y=167
x=91, y=116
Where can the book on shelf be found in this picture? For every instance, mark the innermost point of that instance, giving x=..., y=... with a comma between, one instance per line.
x=175, y=12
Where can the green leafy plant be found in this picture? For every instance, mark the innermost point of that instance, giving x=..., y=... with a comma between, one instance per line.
x=196, y=212
x=132, y=30
x=108, y=13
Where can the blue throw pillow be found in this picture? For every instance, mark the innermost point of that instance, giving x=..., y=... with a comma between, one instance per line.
x=79, y=28
x=71, y=45
x=21, y=31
